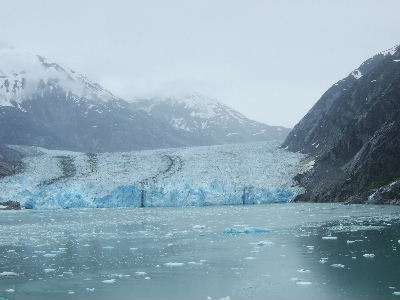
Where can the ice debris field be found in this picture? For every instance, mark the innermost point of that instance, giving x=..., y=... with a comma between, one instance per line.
x=250, y=173
x=284, y=251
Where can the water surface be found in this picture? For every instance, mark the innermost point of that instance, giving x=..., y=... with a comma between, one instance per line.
x=313, y=251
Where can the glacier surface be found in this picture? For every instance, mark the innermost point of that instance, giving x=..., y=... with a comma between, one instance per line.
x=233, y=174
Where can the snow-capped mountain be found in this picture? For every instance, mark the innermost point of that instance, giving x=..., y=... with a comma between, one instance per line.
x=45, y=104
x=23, y=74
x=210, y=121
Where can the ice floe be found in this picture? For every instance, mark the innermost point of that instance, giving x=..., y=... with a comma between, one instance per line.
x=174, y=264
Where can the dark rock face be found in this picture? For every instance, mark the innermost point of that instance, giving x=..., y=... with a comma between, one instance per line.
x=10, y=161
x=53, y=119
x=10, y=205
x=353, y=133
x=389, y=194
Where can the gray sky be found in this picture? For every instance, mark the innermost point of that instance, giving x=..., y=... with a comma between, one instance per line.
x=271, y=60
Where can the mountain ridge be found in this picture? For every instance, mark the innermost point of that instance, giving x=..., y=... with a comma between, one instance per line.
x=346, y=134
x=45, y=104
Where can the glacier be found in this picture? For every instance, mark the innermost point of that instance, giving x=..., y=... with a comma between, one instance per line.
x=235, y=174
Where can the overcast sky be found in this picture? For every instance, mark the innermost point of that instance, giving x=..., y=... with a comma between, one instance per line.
x=271, y=60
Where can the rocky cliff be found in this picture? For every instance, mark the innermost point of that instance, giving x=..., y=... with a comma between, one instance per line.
x=352, y=136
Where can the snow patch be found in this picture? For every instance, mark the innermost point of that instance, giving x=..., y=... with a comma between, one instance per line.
x=356, y=74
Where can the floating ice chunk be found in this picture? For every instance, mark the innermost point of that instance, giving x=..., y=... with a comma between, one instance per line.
x=108, y=247
x=120, y=275
x=199, y=227
x=232, y=230
x=10, y=290
x=108, y=281
x=265, y=243
x=294, y=279
x=396, y=293
x=133, y=249
x=140, y=273
x=256, y=230
x=68, y=273
x=323, y=260
x=2, y=274
x=329, y=237
x=147, y=278
x=339, y=266
x=90, y=289
x=194, y=263
x=250, y=258
x=310, y=247
x=303, y=271
x=71, y=292
x=303, y=282
x=49, y=255
x=369, y=255
x=174, y=264
x=49, y=270
x=226, y=298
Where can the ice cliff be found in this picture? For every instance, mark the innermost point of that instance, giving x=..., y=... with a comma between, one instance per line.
x=214, y=175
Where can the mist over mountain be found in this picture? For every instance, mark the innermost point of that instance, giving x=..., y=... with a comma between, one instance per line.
x=45, y=104
x=206, y=120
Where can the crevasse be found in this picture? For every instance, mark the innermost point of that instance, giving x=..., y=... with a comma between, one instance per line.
x=236, y=174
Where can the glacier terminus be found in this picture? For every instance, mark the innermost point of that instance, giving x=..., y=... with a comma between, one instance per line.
x=234, y=174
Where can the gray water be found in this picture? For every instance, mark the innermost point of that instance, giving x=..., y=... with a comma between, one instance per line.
x=313, y=251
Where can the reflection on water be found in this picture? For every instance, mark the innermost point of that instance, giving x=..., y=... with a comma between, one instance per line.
x=313, y=251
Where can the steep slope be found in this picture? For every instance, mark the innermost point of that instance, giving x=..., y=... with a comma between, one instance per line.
x=207, y=121
x=45, y=104
x=10, y=161
x=352, y=135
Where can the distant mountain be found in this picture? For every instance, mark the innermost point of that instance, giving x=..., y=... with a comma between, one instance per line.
x=208, y=121
x=353, y=136
x=45, y=104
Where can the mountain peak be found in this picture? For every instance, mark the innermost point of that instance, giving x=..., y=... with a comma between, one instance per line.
x=23, y=73
x=201, y=115
x=390, y=51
